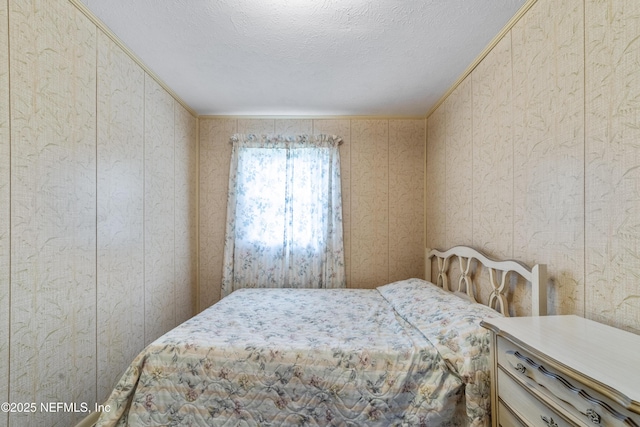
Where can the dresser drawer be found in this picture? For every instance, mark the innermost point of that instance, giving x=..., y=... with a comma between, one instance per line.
x=507, y=418
x=567, y=394
x=527, y=407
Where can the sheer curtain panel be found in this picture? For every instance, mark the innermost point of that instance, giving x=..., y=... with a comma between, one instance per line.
x=284, y=214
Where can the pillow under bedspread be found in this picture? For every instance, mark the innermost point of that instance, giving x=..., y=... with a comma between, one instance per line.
x=452, y=325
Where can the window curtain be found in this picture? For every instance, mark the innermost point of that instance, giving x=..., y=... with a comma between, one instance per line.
x=284, y=214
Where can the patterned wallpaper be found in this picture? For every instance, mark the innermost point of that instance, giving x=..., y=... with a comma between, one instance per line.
x=406, y=199
x=548, y=120
x=186, y=255
x=4, y=210
x=492, y=151
x=159, y=211
x=435, y=205
x=369, y=225
x=53, y=208
x=612, y=159
x=215, y=154
x=120, y=174
x=458, y=112
x=551, y=118
x=382, y=169
x=96, y=149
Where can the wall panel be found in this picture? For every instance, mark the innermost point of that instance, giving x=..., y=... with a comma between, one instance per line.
x=120, y=227
x=369, y=192
x=215, y=156
x=406, y=198
x=493, y=152
x=436, y=205
x=159, y=211
x=5, y=210
x=458, y=165
x=257, y=126
x=53, y=208
x=185, y=213
x=293, y=126
x=613, y=162
x=548, y=116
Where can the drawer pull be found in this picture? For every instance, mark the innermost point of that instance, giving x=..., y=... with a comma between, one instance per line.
x=593, y=416
x=520, y=368
x=549, y=421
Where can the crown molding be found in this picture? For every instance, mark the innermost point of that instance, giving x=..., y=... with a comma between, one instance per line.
x=309, y=117
x=102, y=27
x=513, y=21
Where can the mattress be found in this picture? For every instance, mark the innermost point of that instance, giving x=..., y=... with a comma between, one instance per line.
x=407, y=353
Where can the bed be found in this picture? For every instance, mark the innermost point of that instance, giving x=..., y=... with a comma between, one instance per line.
x=408, y=353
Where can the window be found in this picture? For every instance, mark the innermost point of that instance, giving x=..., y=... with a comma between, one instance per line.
x=284, y=215
x=269, y=201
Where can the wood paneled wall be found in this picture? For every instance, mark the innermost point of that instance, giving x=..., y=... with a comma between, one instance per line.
x=612, y=162
x=53, y=208
x=186, y=212
x=97, y=209
x=5, y=209
x=120, y=194
x=551, y=118
x=382, y=172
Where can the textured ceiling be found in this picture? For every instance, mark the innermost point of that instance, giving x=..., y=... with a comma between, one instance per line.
x=307, y=57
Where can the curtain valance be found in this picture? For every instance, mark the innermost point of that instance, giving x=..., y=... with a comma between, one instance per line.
x=282, y=141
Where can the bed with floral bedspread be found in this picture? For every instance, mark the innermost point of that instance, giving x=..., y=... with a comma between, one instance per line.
x=404, y=354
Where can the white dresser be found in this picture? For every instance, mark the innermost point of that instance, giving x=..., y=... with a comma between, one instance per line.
x=556, y=371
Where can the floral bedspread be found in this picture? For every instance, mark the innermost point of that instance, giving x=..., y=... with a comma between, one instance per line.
x=452, y=325
x=298, y=357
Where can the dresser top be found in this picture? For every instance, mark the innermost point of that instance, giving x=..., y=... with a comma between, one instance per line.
x=606, y=355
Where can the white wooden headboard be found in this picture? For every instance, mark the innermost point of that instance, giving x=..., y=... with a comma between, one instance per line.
x=498, y=275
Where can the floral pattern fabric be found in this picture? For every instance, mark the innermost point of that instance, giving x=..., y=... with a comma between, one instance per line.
x=284, y=214
x=452, y=325
x=290, y=357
